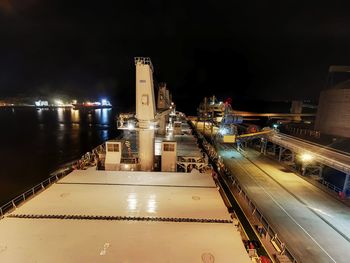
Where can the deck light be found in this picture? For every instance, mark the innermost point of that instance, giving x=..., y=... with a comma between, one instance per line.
x=222, y=131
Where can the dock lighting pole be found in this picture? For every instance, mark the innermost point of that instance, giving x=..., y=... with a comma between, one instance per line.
x=306, y=157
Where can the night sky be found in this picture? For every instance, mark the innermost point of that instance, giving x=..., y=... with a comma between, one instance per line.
x=271, y=50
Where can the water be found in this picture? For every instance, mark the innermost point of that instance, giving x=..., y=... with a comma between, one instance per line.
x=34, y=143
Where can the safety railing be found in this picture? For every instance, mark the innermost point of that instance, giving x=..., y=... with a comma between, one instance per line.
x=266, y=226
x=329, y=185
x=55, y=176
x=144, y=61
x=340, y=165
x=130, y=160
x=126, y=121
x=322, y=180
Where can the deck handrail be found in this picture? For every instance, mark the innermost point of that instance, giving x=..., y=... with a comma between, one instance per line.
x=55, y=176
x=211, y=151
x=62, y=171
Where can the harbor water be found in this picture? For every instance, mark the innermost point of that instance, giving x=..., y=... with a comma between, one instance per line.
x=34, y=142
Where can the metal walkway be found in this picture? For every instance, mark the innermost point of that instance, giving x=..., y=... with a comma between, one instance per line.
x=335, y=159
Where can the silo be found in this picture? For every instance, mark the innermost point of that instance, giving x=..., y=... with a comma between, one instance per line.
x=333, y=114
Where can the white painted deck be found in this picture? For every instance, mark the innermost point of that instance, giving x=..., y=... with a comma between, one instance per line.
x=135, y=194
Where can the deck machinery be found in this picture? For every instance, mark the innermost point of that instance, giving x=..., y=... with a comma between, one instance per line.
x=222, y=123
x=153, y=131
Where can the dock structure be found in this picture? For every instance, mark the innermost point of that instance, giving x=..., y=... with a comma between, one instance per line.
x=308, y=221
x=317, y=155
x=298, y=220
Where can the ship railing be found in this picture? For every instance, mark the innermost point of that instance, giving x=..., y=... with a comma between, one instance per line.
x=189, y=163
x=126, y=125
x=126, y=121
x=144, y=61
x=54, y=177
x=90, y=158
x=18, y=200
x=281, y=246
x=130, y=160
x=266, y=230
x=99, y=149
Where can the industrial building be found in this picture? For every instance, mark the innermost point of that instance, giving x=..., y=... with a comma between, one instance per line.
x=333, y=114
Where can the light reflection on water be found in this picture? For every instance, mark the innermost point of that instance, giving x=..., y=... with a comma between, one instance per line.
x=104, y=115
x=44, y=139
x=60, y=115
x=90, y=123
x=75, y=116
x=104, y=135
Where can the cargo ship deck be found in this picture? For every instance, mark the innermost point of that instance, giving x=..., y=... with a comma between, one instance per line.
x=105, y=216
x=148, y=196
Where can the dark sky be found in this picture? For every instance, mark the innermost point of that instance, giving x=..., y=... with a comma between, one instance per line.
x=273, y=50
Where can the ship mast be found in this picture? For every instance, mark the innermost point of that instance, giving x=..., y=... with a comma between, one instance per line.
x=145, y=111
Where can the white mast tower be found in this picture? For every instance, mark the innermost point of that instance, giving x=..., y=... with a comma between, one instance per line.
x=145, y=111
